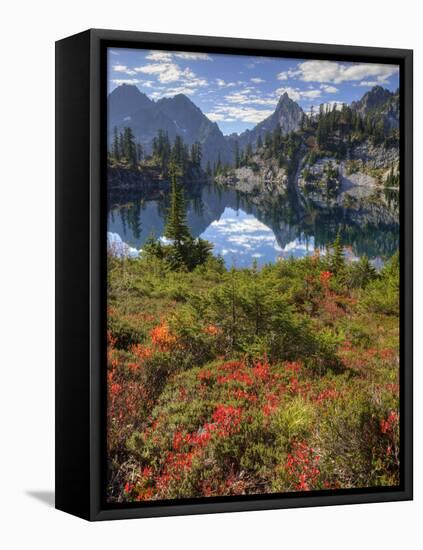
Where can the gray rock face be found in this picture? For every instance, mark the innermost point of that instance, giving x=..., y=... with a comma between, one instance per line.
x=376, y=157
x=288, y=115
x=357, y=185
x=178, y=115
x=372, y=99
x=123, y=102
x=382, y=102
x=193, y=125
x=268, y=180
x=359, y=177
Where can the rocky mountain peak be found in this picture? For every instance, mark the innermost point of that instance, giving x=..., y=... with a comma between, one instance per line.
x=284, y=98
x=129, y=93
x=372, y=99
x=124, y=101
x=287, y=115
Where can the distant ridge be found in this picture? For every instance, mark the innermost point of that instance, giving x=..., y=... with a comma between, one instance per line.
x=178, y=115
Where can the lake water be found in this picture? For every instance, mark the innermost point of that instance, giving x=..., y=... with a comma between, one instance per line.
x=244, y=230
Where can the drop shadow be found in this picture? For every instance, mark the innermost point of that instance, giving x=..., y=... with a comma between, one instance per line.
x=46, y=497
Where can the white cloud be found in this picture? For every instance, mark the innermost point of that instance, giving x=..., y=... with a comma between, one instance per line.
x=165, y=72
x=290, y=73
x=171, y=72
x=333, y=103
x=123, y=69
x=316, y=108
x=166, y=57
x=117, y=247
x=368, y=83
x=230, y=113
x=257, y=80
x=215, y=117
x=159, y=56
x=329, y=89
x=332, y=71
x=238, y=226
x=250, y=97
x=223, y=84
x=120, y=81
x=296, y=94
x=194, y=56
x=170, y=92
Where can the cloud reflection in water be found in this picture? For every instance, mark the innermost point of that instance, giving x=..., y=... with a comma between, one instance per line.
x=240, y=238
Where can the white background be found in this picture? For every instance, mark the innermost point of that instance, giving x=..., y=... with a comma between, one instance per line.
x=28, y=32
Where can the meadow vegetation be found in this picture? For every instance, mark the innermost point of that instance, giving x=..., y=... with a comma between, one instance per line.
x=246, y=381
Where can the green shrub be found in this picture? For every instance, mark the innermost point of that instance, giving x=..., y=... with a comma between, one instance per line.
x=125, y=332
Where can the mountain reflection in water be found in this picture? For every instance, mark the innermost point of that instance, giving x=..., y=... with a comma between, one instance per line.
x=243, y=231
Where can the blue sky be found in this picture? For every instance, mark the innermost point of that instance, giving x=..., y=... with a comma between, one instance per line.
x=237, y=91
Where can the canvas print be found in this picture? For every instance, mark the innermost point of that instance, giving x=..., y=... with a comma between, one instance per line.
x=252, y=275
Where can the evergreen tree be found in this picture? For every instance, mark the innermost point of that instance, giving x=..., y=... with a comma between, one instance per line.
x=218, y=168
x=201, y=252
x=322, y=130
x=268, y=141
x=256, y=301
x=140, y=152
x=259, y=142
x=153, y=247
x=378, y=132
x=362, y=272
x=208, y=169
x=176, y=225
x=337, y=258
x=178, y=154
x=276, y=140
x=236, y=154
x=129, y=147
x=241, y=158
x=121, y=146
x=115, y=147
x=196, y=154
x=248, y=153
x=303, y=122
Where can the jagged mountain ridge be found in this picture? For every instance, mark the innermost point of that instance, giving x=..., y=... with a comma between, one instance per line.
x=178, y=115
x=288, y=115
x=382, y=102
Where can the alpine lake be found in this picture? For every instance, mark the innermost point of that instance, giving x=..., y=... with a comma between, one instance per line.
x=247, y=229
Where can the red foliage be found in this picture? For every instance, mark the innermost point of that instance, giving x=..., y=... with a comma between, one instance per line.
x=205, y=375
x=293, y=366
x=325, y=277
x=243, y=395
x=302, y=467
x=211, y=329
x=271, y=405
x=238, y=376
x=161, y=337
x=227, y=419
x=390, y=424
x=261, y=371
x=327, y=394
x=141, y=352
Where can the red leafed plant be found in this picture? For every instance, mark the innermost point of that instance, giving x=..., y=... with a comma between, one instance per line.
x=302, y=467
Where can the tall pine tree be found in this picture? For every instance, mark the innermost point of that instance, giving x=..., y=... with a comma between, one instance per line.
x=176, y=226
x=337, y=258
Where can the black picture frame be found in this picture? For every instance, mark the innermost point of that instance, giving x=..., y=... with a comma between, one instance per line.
x=81, y=272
